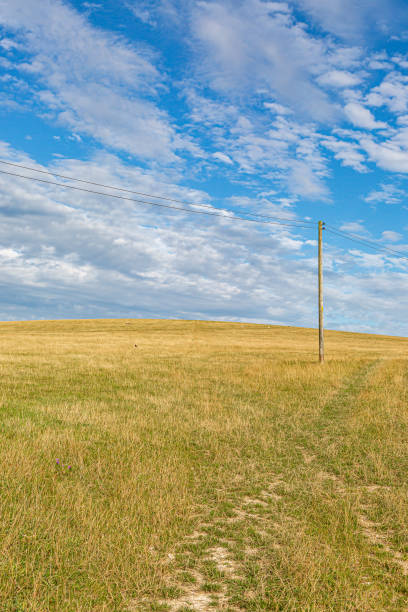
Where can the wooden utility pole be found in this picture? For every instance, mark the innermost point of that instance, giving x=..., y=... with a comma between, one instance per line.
x=321, y=335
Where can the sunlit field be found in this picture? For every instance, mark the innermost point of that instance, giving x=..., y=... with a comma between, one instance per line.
x=214, y=466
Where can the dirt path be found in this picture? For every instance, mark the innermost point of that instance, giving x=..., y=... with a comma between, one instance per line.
x=218, y=566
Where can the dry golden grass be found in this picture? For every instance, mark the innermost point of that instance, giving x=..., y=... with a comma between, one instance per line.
x=214, y=466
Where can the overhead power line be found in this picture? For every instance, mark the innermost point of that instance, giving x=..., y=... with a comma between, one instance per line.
x=367, y=243
x=259, y=218
x=287, y=223
x=148, y=195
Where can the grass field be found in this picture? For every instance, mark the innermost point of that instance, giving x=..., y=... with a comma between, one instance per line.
x=215, y=466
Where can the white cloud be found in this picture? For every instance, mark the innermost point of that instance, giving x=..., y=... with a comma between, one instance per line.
x=266, y=203
x=400, y=60
x=340, y=79
x=143, y=14
x=385, y=194
x=362, y=117
x=348, y=153
x=222, y=157
x=79, y=64
x=92, y=5
x=279, y=109
x=386, y=155
x=304, y=182
x=352, y=20
x=8, y=44
x=392, y=93
x=357, y=227
x=391, y=236
x=379, y=65
x=379, y=61
x=346, y=57
x=150, y=11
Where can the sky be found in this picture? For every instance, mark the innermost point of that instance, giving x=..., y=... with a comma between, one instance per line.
x=296, y=110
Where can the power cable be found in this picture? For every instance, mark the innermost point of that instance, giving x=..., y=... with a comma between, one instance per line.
x=148, y=195
x=137, y=201
x=367, y=243
x=270, y=220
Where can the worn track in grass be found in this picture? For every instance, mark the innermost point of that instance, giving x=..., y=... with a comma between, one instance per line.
x=221, y=556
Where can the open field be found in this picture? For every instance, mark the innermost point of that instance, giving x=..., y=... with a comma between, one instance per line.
x=214, y=466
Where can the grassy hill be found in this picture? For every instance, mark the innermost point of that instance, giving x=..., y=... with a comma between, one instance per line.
x=212, y=466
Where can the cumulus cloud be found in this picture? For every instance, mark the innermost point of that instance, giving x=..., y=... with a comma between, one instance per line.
x=362, y=117
x=347, y=152
x=391, y=236
x=392, y=93
x=386, y=155
x=279, y=109
x=387, y=193
x=357, y=227
x=151, y=11
x=340, y=79
x=222, y=157
x=303, y=181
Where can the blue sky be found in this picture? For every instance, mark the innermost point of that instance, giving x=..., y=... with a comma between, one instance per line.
x=295, y=109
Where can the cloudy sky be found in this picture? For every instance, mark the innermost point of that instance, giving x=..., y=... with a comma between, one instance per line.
x=296, y=110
